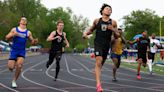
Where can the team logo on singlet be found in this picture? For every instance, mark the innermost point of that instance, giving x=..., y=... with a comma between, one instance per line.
x=97, y=53
x=22, y=35
x=59, y=39
x=103, y=27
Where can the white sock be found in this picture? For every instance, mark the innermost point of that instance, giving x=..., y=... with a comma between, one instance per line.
x=150, y=65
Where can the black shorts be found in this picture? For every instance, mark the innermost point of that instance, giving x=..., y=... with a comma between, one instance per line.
x=55, y=54
x=142, y=56
x=101, y=51
x=151, y=55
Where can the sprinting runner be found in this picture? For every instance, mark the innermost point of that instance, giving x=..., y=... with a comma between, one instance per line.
x=154, y=45
x=142, y=47
x=117, y=44
x=57, y=38
x=104, y=27
x=19, y=36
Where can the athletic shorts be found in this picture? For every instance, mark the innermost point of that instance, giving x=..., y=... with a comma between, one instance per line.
x=101, y=51
x=16, y=53
x=113, y=55
x=151, y=55
x=142, y=56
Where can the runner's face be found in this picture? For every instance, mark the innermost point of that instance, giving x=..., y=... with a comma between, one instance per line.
x=153, y=36
x=60, y=26
x=145, y=33
x=107, y=11
x=23, y=22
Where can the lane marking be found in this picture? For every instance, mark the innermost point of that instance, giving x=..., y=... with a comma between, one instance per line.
x=122, y=79
x=8, y=88
x=37, y=82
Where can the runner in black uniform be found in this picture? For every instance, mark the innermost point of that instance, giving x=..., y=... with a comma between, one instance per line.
x=142, y=47
x=57, y=37
x=104, y=27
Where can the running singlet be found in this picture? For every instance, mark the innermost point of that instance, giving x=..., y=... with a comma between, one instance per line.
x=153, y=47
x=103, y=34
x=142, y=44
x=19, y=41
x=118, y=46
x=57, y=44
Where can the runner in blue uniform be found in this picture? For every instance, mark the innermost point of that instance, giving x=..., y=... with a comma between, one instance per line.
x=19, y=36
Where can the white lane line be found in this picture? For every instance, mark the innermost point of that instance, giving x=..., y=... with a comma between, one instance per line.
x=3, y=71
x=8, y=88
x=82, y=77
x=121, y=79
x=14, y=69
x=126, y=74
x=70, y=74
x=7, y=70
x=135, y=71
x=4, y=65
x=37, y=82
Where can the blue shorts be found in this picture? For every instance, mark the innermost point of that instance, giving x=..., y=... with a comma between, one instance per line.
x=113, y=55
x=17, y=53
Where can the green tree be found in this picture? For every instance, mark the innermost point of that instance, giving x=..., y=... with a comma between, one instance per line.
x=140, y=20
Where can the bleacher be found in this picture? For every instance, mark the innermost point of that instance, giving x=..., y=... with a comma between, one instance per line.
x=4, y=46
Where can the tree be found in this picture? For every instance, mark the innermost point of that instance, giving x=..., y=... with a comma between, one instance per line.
x=140, y=20
x=80, y=24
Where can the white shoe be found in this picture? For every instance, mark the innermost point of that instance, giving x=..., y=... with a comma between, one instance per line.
x=14, y=85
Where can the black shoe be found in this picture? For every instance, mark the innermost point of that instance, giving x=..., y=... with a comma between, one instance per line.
x=151, y=73
x=47, y=65
x=55, y=79
x=114, y=80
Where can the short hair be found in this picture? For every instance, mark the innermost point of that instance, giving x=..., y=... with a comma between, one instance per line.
x=144, y=31
x=23, y=18
x=103, y=6
x=60, y=21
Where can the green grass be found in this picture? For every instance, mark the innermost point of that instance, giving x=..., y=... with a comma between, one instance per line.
x=133, y=65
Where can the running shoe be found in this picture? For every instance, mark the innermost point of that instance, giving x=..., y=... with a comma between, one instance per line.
x=99, y=88
x=151, y=72
x=114, y=80
x=139, y=77
x=55, y=79
x=47, y=65
x=13, y=84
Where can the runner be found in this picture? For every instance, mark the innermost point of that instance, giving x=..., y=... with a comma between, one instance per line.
x=117, y=44
x=154, y=45
x=104, y=27
x=57, y=38
x=19, y=36
x=142, y=47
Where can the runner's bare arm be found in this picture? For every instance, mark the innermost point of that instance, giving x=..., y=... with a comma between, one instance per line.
x=132, y=42
x=51, y=36
x=91, y=29
x=65, y=40
x=33, y=41
x=11, y=34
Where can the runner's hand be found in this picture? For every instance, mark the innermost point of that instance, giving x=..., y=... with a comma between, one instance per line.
x=85, y=35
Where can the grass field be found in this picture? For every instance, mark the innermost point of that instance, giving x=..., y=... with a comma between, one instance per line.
x=133, y=65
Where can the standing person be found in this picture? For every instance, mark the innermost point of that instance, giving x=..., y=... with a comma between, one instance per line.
x=19, y=37
x=117, y=45
x=104, y=27
x=57, y=38
x=142, y=47
x=154, y=45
